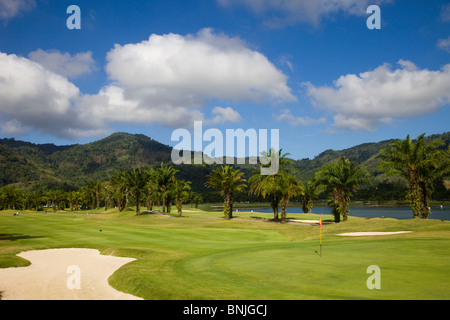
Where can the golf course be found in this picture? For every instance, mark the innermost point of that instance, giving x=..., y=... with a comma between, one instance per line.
x=202, y=256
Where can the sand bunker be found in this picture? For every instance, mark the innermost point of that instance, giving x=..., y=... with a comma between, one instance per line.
x=359, y=234
x=63, y=274
x=306, y=221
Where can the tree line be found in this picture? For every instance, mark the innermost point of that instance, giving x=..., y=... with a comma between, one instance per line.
x=418, y=163
x=135, y=187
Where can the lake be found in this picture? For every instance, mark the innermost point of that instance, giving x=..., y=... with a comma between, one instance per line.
x=371, y=212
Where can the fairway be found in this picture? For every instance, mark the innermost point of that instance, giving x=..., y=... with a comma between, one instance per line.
x=202, y=256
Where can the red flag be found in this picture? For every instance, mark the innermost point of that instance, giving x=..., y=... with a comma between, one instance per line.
x=320, y=221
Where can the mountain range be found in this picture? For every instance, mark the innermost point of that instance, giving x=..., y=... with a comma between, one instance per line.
x=71, y=166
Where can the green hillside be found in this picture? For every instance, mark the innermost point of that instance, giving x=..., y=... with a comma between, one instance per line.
x=70, y=167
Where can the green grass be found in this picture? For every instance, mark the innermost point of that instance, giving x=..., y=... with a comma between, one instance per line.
x=202, y=256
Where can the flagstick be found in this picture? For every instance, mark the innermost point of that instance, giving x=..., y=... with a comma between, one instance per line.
x=320, y=241
x=320, y=228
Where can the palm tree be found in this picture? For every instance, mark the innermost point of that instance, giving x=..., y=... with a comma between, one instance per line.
x=163, y=178
x=181, y=191
x=311, y=191
x=55, y=196
x=196, y=198
x=136, y=182
x=151, y=187
x=95, y=189
x=289, y=186
x=340, y=178
x=420, y=164
x=227, y=180
x=266, y=185
x=118, y=183
x=10, y=196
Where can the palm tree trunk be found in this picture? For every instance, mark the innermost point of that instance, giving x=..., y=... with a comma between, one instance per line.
x=424, y=209
x=228, y=207
x=414, y=194
x=150, y=199
x=344, y=204
x=138, y=200
x=284, y=203
x=179, y=206
x=336, y=211
x=274, y=205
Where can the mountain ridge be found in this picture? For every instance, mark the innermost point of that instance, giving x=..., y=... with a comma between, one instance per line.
x=71, y=166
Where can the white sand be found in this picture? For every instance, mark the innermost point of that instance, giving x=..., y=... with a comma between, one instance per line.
x=359, y=234
x=49, y=277
x=307, y=221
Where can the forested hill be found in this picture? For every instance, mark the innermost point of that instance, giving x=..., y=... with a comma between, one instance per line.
x=71, y=166
x=66, y=166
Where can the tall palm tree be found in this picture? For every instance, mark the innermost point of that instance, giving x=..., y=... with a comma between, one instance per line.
x=151, y=187
x=340, y=178
x=266, y=185
x=420, y=164
x=227, y=180
x=311, y=191
x=181, y=191
x=55, y=196
x=95, y=188
x=287, y=186
x=10, y=196
x=136, y=182
x=164, y=181
x=118, y=183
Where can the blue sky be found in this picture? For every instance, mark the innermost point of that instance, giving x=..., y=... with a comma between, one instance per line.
x=311, y=69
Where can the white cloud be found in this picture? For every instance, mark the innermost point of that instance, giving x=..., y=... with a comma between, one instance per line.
x=289, y=12
x=168, y=79
x=33, y=97
x=287, y=116
x=377, y=97
x=165, y=80
x=225, y=115
x=444, y=44
x=64, y=63
x=11, y=8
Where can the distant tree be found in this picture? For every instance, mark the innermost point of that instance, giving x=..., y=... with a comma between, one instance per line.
x=136, y=182
x=164, y=181
x=55, y=196
x=151, y=188
x=227, y=180
x=311, y=191
x=10, y=196
x=120, y=189
x=181, y=191
x=195, y=198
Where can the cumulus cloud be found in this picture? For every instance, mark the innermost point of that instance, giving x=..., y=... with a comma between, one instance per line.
x=377, y=97
x=225, y=115
x=288, y=117
x=169, y=78
x=11, y=8
x=65, y=64
x=36, y=98
x=289, y=12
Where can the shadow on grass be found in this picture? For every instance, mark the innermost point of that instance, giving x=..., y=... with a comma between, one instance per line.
x=16, y=236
